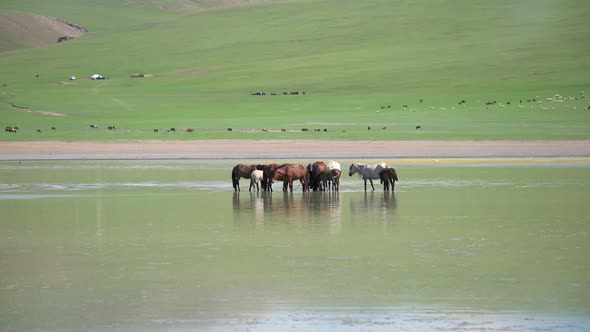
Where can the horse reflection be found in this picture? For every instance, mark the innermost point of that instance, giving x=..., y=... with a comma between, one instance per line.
x=263, y=209
x=373, y=208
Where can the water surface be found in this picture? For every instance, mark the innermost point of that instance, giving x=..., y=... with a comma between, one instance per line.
x=169, y=246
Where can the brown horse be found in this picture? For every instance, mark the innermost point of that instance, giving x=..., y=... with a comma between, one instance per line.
x=334, y=177
x=388, y=177
x=289, y=173
x=318, y=175
x=267, y=173
x=242, y=171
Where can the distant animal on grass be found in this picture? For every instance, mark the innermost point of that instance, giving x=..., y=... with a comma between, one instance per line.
x=173, y=130
x=93, y=126
x=10, y=129
x=39, y=131
x=156, y=130
x=111, y=127
x=53, y=128
x=242, y=171
x=388, y=177
x=229, y=129
x=418, y=127
x=190, y=130
x=367, y=172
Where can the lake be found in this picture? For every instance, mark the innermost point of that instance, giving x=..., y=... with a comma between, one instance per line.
x=168, y=245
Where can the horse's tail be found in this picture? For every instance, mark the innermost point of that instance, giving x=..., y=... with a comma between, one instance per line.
x=234, y=178
x=395, y=178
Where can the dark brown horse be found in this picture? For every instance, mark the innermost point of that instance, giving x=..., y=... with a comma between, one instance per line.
x=318, y=175
x=388, y=177
x=242, y=171
x=334, y=177
x=289, y=173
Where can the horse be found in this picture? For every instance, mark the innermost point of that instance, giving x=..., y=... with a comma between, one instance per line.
x=334, y=177
x=242, y=171
x=255, y=177
x=367, y=171
x=318, y=175
x=333, y=165
x=267, y=173
x=290, y=172
x=388, y=177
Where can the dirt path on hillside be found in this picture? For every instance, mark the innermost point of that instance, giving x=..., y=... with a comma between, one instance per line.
x=295, y=149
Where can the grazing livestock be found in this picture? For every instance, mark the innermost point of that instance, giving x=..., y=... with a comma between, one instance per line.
x=388, y=177
x=39, y=131
x=10, y=129
x=53, y=128
x=93, y=126
x=190, y=130
x=283, y=130
x=418, y=127
x=367, y=171
x=304, y=129
x=111, y=127
x=242, y=171
x=256, y=176
x=229, y=129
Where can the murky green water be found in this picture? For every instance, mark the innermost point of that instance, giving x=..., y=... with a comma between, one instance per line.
x=169, y=246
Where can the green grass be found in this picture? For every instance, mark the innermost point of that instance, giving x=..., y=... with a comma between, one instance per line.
x=350, y=57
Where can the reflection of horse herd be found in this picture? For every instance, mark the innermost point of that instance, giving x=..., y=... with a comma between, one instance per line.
x=317, y=176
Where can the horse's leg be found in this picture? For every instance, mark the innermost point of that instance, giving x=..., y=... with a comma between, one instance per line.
x=291, y=185
x=372, y=186
x=365, y=184
x=251, y=185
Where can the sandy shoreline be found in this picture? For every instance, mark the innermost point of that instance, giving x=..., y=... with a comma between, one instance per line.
x=290, y=149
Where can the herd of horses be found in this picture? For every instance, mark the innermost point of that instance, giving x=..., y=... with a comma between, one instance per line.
x=318, y=176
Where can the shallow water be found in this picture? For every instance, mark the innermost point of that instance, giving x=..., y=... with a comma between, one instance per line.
x=169, y=246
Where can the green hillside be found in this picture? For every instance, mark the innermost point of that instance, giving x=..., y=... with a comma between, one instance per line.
x=350, y=57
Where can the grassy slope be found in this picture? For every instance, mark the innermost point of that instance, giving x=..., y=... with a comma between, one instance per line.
x=349, y=56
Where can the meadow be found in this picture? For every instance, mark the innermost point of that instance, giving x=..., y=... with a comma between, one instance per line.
x=353, y=59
